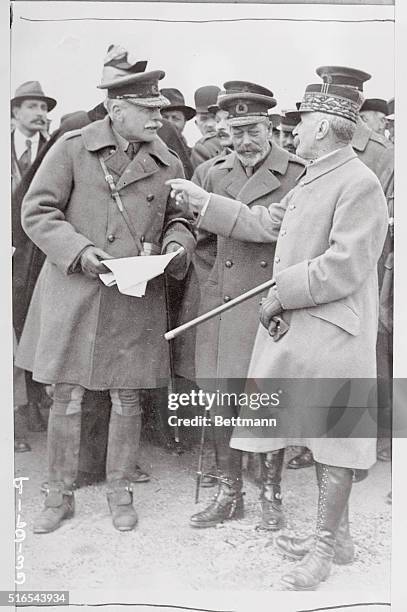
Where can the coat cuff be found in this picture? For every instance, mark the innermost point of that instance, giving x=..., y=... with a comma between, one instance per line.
x=220, y=216
x=293, y=288
x=178, y=232
x=68, y=259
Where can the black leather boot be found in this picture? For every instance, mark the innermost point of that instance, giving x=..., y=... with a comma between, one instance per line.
x=296, y=548
x=270, y=497
x=64, y=433
x=227, y=504
x=334, y=489
x=124, y=438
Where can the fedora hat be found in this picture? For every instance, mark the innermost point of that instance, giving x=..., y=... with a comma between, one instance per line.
x=32, y=90
x=177, y=102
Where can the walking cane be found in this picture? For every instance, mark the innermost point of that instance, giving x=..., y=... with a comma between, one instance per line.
x=173, y=333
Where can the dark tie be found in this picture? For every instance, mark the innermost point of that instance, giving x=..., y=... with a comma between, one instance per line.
x=25, y=160
x=133, y=149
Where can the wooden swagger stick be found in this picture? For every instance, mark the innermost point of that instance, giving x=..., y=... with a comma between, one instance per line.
x=173, y=333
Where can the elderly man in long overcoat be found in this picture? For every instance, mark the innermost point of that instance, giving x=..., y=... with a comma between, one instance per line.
x=100, y=193
x=329, y=233
x=256, y=172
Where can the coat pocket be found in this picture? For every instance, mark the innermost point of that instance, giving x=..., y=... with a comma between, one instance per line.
x=338, y=314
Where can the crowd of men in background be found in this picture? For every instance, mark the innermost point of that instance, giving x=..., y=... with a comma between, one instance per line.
x=213, y=271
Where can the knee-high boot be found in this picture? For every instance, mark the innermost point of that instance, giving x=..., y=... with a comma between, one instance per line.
x=270, y=496
x=64, y=433
x=123, y=444
x=334, y=490
x=296, y=548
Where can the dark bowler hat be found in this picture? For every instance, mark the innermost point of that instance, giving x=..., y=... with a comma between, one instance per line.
x=289, y=119
x=390, y=106
x=32, y=90
x=342, y=101
x=375, y=104
x=205, y=97
x=130, y=81
x=342, y=75
x=177, y=102
x=246, y=102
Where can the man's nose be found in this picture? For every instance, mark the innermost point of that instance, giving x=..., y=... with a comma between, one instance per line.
x=155, y=115
x=246, y=138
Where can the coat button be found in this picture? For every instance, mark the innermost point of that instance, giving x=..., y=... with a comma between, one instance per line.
x=292, y=206
x=263, y=264
x=226, y=298
x=228, y=263
x=111, y=238
x=277, y=259
x=150, y=197
x=283, y=232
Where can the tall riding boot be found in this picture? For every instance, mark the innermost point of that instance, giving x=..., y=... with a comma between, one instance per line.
x=270, y=496
x=124, y=438
x=64, y=432
x=334, y=490
x=296, y=548
x=228, y=501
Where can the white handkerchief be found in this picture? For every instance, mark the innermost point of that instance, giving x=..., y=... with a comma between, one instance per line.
x=133, y=273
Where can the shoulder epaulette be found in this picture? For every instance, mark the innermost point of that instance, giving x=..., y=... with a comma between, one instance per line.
x=72, y=134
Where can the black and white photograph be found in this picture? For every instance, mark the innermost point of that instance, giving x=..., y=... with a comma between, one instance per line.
x=200, y=235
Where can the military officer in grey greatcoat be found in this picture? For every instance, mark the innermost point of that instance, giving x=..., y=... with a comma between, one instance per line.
x=100, y=193
x=256, y=172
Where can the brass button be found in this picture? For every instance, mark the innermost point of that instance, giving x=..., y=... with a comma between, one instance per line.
x=150, y=197
x=228, y=263
x=263, y=264
x=226, y=298
x=111, y=238
x=277, y=259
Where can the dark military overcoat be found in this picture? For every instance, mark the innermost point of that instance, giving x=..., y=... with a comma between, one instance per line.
x=224, y=344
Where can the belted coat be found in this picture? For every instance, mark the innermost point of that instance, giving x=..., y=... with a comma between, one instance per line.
x=329, y=233
x=78, y=330
x=224, y=344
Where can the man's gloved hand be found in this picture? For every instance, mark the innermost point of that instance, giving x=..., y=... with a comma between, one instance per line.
x=187, y=193
x=270, y=306
x=178, y=265
x=90, y=261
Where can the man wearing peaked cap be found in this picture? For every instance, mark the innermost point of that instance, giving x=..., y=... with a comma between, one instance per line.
x=208, y=145
x=99, y=194
x=373, y=113
x=256, y=172
x=289, y=119
x=328, y=233
x=369, y=146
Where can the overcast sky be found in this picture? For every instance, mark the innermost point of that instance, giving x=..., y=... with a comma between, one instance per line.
x=67, y=56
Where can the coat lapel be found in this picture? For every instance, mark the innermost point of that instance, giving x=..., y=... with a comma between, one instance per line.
x=265, y=179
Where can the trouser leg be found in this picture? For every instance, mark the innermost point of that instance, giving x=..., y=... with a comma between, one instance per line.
x=122, y=450
x=64, y=431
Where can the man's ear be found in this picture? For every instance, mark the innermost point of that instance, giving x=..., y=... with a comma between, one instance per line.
x=323, y=129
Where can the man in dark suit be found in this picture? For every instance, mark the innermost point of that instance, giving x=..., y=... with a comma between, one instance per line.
x=29, y=108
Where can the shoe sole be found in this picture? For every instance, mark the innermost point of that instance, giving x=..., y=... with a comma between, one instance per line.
x=300, y=467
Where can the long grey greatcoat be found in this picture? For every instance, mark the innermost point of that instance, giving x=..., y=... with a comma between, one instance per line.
x=78, y=330
x=373, y=150
x=224, y=344
x=330, y=231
